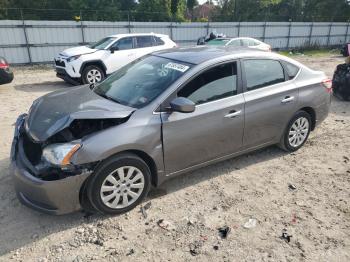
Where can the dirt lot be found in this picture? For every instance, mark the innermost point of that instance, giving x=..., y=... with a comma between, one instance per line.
x=316, y=213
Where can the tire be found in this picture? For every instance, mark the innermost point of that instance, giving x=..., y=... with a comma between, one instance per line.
x=108, y=195
x=85, y=203
x=287, y=142
x=92, y=74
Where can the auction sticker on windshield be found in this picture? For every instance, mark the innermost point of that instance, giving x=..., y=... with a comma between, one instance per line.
x=176, y=66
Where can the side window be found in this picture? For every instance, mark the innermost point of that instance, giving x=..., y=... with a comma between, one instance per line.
x=215, y=83
x=245, y=42
x=249, y=42
x=236, y=42
x=124, y=43
x=262, y=72
x=292, y=70
x=158, y=41
x=144, y=41
x=254, y=43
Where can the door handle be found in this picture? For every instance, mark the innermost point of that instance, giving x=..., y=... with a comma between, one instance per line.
x=287, y=99
x=131, y=54
x=233, y=114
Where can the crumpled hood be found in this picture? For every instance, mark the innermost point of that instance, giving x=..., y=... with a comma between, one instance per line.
x=79, y=50
x=53, y=112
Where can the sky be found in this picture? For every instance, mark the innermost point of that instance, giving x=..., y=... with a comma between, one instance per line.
x=203, y=1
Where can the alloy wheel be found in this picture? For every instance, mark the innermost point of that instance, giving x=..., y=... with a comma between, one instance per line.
x=94, y=76
x=298, y=132
x=122, y=187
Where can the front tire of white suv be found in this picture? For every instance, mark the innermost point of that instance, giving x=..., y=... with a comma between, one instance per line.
x=92, y=74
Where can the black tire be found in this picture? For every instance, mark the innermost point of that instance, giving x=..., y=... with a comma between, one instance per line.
x=85, y=203
x=90, y=69
x=285, y=143
x=106, y=168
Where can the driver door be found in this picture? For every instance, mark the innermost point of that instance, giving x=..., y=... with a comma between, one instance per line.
x=121, y=54
x=214, y=129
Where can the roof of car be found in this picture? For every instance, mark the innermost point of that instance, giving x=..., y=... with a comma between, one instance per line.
x=200, y=54
x=230, y=38
x=136, y=34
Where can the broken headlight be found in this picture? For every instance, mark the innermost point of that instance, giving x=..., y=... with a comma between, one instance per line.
x=60, y=154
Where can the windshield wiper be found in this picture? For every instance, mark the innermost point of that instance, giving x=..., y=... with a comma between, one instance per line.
x=109, y=98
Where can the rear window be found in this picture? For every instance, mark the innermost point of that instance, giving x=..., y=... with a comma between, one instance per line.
x=236, y=42
x=262, y=72
x=158, y=41
x=292, y=70
x=144, y=41
x=249, y=42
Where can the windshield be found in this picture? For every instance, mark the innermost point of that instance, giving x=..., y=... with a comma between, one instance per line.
x=102, y=44
x=218, y=41
x=140, y=82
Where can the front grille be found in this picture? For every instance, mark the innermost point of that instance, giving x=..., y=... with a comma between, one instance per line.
x=32, y=150
x=59, y=63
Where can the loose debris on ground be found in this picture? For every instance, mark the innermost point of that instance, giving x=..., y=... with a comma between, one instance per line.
x=183, y=220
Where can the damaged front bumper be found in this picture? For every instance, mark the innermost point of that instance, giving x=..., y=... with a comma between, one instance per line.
x=57, y=197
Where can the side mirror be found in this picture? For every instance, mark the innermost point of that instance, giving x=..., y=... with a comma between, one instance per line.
x=114, y=48
x=182, y=105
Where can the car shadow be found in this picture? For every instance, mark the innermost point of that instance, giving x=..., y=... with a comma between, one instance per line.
x=19, y=225
x=46, y=86
x=206, y=173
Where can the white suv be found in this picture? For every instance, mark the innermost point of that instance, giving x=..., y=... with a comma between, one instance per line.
x=91, y=64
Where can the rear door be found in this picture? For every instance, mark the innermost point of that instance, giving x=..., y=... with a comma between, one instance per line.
x=214, y=129
x=270, y=98
x=144, y=45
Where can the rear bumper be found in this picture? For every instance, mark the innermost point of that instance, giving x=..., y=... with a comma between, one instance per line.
x=6, y=76
x=52, y=197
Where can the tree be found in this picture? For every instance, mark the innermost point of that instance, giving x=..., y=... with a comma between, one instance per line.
x=127, y=4
x=191, y=5
x=178, y=9
x=173, y=6
x=153, y=10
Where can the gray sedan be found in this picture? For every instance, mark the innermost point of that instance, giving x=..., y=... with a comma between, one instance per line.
x=102, y=147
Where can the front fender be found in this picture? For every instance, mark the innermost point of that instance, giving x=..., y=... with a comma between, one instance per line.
x=141, y=134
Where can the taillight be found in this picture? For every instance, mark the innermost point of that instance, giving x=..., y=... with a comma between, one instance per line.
x=3, y=64
x=327, y=83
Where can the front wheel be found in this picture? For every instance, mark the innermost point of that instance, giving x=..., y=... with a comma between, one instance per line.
x=119, y=184
x=297, y=132
x=92, y=74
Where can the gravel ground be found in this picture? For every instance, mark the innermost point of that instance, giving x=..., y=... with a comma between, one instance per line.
x=305, y=194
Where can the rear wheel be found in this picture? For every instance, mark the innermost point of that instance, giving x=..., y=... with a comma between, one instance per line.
x=297, y=132
x=92, y=74
x=119, y=184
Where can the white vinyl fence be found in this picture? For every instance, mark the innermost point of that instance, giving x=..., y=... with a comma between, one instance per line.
x=25, y=42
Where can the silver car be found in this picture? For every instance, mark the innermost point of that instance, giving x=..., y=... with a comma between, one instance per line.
x=102, y=147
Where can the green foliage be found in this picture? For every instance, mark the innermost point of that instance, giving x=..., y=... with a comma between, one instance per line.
x=191, y=4
x=153, y=10
x=177, y=10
